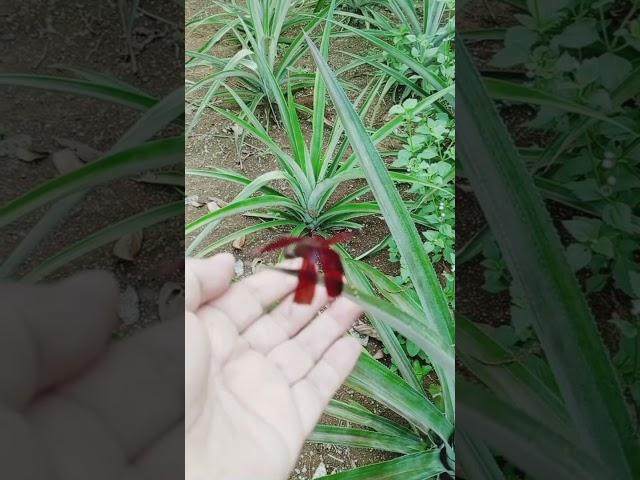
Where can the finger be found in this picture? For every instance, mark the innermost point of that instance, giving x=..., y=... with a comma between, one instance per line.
x=247, y=300
x=297, y=356
x=52, y=331
x=198, y=365
x=206, y=279
x=137, y=389
x=284, y=321
x=313, y=392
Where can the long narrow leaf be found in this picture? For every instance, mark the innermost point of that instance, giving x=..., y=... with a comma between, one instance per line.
x=104, y=236
x=113, y=94
x=515, y=92
x=241, y=233
x=517, y=437
x=417, y=466
x=356, y=413
x=535, y=257
x=352, y=437
x=265, y=201
x=409, y=327
x=151, y=155
x=396, y=215
x=375, y=380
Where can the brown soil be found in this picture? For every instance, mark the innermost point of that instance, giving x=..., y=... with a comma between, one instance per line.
x=38, y=36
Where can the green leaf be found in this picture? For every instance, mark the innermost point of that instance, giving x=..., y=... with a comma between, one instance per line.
x=535, y=257
x=619, y=215
x=241, y=233
x=409, y=327
x=583, y=229
x=628, y=89
x=514, y=92
x=155, y=154
x=614, y=69
x=579, y=34
x=320, y=100
x=155, y=119
x=241, y=206
x=351, y=437
x=520, y=439
x=603, y=246
x=357, y=278
x=509, y=377
x=356, y=413
x=417, y=466
x=111, y=93
x=518, y=43
x=402, y=57
x=106, y=235
x=476, y=459
x=396, y=215
x=578, y=256
x=373, y=379
x=544, y=10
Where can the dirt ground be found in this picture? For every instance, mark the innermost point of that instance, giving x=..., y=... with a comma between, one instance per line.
x=212, y=145
x=39, y=37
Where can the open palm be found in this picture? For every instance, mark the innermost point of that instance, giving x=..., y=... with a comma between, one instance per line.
x=260, y=369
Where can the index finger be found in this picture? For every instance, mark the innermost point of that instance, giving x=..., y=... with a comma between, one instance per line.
x=206, y=279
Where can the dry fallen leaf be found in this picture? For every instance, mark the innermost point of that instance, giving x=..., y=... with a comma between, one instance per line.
x=66, y=161
x=239, y=268
x=237, y=130
x=221, y=203
x=170, y=301
x=28, y=156
x=18, y=146
x=128, y=246
x=366, y=329
x=257, y=265
x=128, y=306
x=212, y=205
x=84, y=152
x=193, y=201
x=238, y=243
x=321, y=471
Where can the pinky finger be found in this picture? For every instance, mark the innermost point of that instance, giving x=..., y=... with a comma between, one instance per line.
x=313, y=392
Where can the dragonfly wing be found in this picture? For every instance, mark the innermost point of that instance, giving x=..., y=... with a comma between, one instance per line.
x=340, y=238
x=307, y=279
x=279, y=244
x=332, y=266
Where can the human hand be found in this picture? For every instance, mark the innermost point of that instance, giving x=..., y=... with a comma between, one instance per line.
x=73, y=406
x=258, y=376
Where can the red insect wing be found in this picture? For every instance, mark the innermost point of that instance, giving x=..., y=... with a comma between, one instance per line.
x=280, y=244
x=340, y=237
x=307, y=278
x=332, y=267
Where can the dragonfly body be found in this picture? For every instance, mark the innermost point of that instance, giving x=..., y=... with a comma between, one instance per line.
x=314, y=251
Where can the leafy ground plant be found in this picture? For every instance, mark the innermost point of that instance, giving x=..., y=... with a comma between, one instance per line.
x=133, y=154
x=529, y=406
x=424, y=318
x=313, y=170
x=268, y=32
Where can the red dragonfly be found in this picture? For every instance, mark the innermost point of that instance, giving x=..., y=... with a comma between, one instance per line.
x=314, y=250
